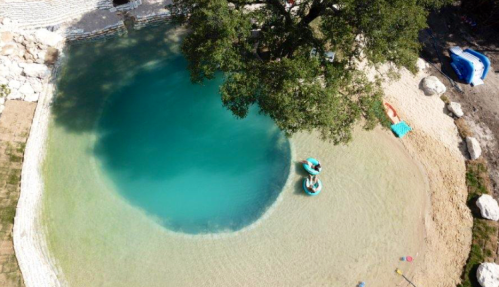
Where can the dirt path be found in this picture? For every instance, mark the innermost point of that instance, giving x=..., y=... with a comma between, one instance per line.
x=15, y=124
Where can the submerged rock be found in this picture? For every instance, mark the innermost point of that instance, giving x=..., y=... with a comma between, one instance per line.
x=456, y=109
x=488, y=275
x=431, y=85
x=473, y=147
x=488, y=207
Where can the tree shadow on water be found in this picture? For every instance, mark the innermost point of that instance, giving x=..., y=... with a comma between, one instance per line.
x=93, y=71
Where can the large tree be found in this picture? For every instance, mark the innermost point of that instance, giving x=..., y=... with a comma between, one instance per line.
x=273, y=53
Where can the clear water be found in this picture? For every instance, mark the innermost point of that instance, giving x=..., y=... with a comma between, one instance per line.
x=100, y=232
x=172, y=149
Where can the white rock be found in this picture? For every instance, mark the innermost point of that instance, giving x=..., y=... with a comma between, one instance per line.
x=2, y=101
x=27, y=91
x=2, y=107
x=6, y=37
x=421, y=64
x=14, y=95
x=473, y=147
x=8, y=49
x=36, y=84
x=488, y=275
x=48, y=38
x=35, y=70
x=32, y=98
x=456, y=109
x=431, y=85
x=15, y=85
x=488, y=207
x=112, y=10
x=3, y=81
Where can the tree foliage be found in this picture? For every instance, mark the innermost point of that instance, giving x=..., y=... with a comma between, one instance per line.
x=263, y=48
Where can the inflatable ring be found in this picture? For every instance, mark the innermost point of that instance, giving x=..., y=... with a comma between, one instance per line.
x=308, y=168
x=318, y=185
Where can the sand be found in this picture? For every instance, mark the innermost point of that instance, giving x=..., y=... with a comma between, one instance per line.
x=436, y=145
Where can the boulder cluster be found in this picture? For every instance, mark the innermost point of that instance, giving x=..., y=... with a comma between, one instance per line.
x=25, y=60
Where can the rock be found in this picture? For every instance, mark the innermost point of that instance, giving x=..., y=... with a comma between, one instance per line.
x=2, y=107
x=488, y=207
x=36, y=84
x=32, y=98
x=48, y=38
x=2, y=101
x=431, y=85
x=3, y=81
x=15, y=85
x=14, y=95
x=112, y=10
x=6, y=37
x=456, y=109
x=8, y=49
x=473, y=147
x=35, y=70
x=488, y=275
x=421, y=64
x=26, y=91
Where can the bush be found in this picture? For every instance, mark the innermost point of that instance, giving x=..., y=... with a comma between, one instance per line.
x=463, y=128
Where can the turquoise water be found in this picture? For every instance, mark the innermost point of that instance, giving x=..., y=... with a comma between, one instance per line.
x=172, y=149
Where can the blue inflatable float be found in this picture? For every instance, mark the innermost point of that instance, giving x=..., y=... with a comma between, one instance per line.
x=318, y=185
x=469, y=65
x=309, y=169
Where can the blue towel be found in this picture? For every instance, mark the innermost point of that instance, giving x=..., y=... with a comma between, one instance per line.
x=400, y=129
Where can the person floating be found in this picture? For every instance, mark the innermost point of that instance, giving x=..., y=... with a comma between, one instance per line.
x=312, y=166
x=312, y=185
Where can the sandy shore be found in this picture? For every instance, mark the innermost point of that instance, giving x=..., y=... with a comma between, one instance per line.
x=436, y=145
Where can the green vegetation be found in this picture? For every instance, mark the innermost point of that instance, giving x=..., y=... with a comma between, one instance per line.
x=275, y=56
x=484, y=241
x=7, y=214
x=4, y=91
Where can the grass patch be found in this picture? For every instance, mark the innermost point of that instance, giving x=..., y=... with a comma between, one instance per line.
x=445, y=99
x=484, y=238
x=7, y=215
x=463, y=128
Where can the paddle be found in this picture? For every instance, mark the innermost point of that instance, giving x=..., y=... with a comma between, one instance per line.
x=399, y=272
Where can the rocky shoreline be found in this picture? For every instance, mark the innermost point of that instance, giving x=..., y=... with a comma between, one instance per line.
x=29, y=61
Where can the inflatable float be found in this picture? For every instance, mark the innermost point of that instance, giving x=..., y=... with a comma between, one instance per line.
x=318, y=185
x=309, y=169
x=398, y=127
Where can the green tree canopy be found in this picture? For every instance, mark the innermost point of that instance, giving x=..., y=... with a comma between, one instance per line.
x=273, y=53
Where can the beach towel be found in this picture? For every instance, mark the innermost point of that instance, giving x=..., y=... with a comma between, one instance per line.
x=400, y=129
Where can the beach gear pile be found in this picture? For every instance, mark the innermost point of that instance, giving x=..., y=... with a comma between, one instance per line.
x=398, y=127
x=312, y=166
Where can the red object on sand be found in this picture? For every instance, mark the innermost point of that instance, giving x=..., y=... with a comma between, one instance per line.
x=409, y=259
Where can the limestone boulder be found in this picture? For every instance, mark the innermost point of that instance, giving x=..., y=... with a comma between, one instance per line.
x=15, y=95
x=488, y=275
x=8, y=49
x=15, y=84
x=2, y=107
x=456, y=109
x=432, y=86
x=6, y=37
x=473, y=147
x=488, y=207
x=36, y=84
x=35, y=70
x=27, y=91
x=47, y=37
